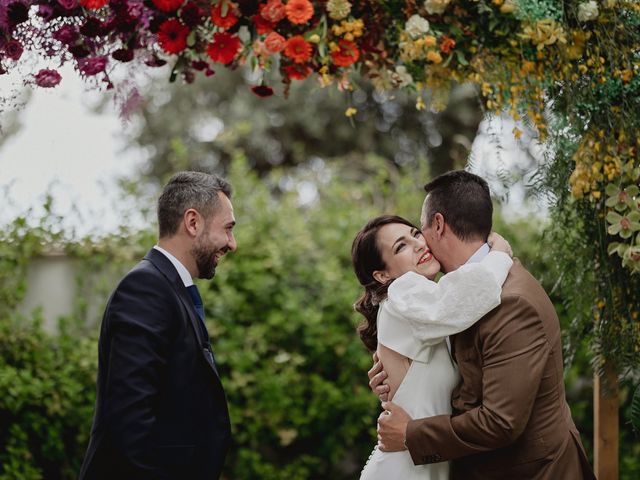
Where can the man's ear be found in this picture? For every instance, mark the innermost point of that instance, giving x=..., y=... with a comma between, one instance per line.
x=191, y=218
x=438, y=220
x=381, y=276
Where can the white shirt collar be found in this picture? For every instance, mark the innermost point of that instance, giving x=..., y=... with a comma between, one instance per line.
x=185, y=276
x=480, y=254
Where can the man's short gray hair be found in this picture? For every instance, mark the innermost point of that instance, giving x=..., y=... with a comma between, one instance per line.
x=185, y=190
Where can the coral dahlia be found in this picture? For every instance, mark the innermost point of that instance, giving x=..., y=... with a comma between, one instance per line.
x=297, y=49
x=299, y=11
x=224, y=47
x=297, y=72
x=172, y=36
x=274, y=42
x=273, y=11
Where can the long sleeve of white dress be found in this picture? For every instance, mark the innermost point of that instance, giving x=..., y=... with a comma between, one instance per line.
x=419, y=312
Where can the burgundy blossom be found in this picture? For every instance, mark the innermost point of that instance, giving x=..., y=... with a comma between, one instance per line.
x=79, y=51
x=13, y=49
x=17, y=12
x=47, y=78
x=45, y=12
x=192, y=15
x=155, y=62
x=123, y=55
x=92, y=66
x=68, y=4
x=248, y=8
x=92, y=27
x=67, y=34
x=199, y=65
x=262, y=90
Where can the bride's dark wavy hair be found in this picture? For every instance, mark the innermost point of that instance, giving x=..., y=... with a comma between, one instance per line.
x=366, y=259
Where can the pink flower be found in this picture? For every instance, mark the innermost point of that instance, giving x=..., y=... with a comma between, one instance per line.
x=66, y=34
x=92, y=66
x=275, y=42
x=47, y=78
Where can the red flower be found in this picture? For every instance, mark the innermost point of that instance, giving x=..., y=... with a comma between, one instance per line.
x=274, y=42
x=168, y=5
x=224, y=21
x=93, y=4
x=299, y=11
x=447, y=44
x=262, y=26
x=297, y=72
x=191, y=15
x=273, y=11
x=297, y=49
x=262, y=90
x=47, y=78
x=224, y=47
x=346, y=54
x=172, y=36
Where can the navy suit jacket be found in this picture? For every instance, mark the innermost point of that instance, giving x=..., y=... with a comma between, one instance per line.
x=161, y=410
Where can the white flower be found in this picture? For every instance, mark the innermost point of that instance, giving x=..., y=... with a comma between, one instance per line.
x=436, y=6
x=588, y=11
x=416, y=26
x=403, y=77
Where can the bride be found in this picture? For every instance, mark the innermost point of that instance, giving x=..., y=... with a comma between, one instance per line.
x=407, y=319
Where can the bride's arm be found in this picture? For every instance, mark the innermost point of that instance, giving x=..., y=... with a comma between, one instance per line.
x=457, y=301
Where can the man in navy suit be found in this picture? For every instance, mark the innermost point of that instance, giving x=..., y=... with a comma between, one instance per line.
x=161, y=411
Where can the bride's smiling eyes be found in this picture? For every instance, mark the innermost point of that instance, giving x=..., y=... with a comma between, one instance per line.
x=415, y=233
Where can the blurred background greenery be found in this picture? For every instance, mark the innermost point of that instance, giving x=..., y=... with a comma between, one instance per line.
x=279, y=311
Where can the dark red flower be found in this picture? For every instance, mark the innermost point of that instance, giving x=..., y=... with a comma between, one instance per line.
x=172, y=36
x=168, y=5
x=155, y=62
x=45, y=12
x=262, y=26
x=93, y=4
x=346, y=54
x=123, y=55
x=226, y=21
x=13, y=49
x=92, y=66
x=68, y=4
x=79, y=51
x=92, y=27
x=248, y=7
x=66, y=34
x=199, y=65
x=262, y=90
x=191, y=15
x=223, y=48
x=297, y=72
x=17, y=12
x=47, y=78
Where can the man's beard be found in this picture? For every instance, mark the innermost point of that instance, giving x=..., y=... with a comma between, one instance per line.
x=205, y=260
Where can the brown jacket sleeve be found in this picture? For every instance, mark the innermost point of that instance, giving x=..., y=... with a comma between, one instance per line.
x=514, y=351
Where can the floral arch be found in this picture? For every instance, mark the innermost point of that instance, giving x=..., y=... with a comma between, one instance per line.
x=571, y=68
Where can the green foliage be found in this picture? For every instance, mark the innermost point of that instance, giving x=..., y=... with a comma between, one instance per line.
x=46, y=399
x=635, y=409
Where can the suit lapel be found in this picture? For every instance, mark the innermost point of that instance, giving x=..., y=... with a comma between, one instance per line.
x=165, y=267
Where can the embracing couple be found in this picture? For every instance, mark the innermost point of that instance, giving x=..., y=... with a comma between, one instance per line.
x=469, y=369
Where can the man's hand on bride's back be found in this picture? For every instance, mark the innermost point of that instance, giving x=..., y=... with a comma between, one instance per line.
x=498, y=243
x=376, y=378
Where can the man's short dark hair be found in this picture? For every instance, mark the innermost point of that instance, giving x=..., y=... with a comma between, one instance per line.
x=187, y=190
x=464, y=200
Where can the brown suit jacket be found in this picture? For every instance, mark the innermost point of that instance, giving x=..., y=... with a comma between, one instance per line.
x=511, y=419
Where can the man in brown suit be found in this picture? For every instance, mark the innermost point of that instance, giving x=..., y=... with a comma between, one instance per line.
x=510, y=416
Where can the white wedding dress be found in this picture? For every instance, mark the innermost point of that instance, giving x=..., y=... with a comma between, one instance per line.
x=415, y=321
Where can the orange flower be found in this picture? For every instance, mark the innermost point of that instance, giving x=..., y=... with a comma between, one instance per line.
x=434, y=57
x=274, y=42
x=227, y=21
x=346, y=54
x=297, y=49
x=262, y=26
x=273, y=11
x=299, y=11
x=447, y=44
x=297, y=72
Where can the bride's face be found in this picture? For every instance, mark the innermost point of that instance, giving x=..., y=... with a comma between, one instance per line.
x=403, y=249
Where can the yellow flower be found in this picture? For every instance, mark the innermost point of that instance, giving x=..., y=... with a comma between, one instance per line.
x=420, y=105
x=350, y=112
x=315, y=38
x=507, y=7
x=430, y=41
x=517, y=132
x=543, y=33
x=434, y=56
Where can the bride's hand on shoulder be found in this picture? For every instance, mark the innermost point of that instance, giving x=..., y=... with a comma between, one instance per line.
x=498, y=243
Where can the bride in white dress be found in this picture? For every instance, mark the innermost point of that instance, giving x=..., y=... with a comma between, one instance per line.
x=408, y=318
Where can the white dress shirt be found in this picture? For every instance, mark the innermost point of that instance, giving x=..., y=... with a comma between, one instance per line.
x=182, y=270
